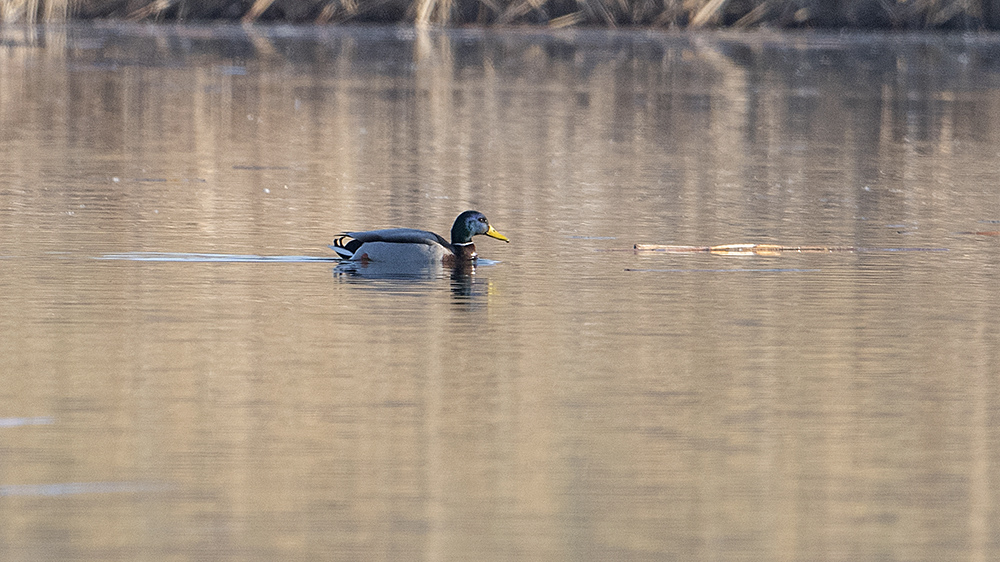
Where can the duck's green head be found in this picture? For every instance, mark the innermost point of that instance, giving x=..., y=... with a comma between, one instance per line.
x=471, y=223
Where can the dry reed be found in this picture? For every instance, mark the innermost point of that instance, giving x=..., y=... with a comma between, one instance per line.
x=866, y=14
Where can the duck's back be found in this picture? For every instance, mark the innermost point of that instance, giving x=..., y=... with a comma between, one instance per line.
x=399, y=236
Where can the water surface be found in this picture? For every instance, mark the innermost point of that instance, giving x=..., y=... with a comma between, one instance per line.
x=188, y=376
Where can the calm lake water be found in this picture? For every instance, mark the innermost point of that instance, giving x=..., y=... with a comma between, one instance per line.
x=187, y=376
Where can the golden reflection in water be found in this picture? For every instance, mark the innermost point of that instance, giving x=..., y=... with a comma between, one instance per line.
x=552, y=405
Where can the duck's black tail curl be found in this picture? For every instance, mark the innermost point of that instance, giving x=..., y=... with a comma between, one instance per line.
x=345, y=246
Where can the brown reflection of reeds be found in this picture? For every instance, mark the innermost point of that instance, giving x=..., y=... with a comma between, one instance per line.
x=889, y=14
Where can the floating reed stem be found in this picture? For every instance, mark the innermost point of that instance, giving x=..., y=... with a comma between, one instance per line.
x=744, y=249
x=767, y=249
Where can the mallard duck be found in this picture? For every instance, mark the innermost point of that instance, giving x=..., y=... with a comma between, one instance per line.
x=409, y=245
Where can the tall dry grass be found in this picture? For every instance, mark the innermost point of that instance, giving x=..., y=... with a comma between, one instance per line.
x=867, y=14
x=30, y=11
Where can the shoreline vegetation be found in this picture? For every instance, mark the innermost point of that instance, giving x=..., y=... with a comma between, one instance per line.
x=951, y=15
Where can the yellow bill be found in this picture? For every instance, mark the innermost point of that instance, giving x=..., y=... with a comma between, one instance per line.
x=492, y=233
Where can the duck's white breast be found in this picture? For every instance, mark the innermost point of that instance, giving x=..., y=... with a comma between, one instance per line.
x=400, y=253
